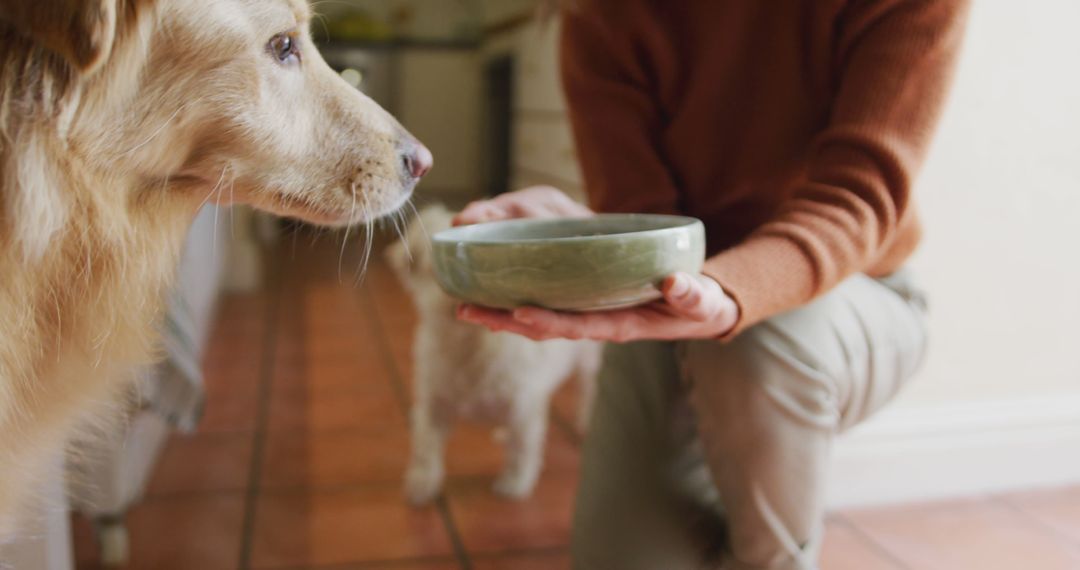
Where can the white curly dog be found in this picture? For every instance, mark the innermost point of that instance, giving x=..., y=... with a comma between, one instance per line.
x=465, y=372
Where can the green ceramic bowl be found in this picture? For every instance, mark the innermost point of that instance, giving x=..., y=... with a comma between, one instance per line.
x=582, y=264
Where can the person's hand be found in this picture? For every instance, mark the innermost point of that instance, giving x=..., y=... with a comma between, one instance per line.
x=693, y=306
x=533, y=202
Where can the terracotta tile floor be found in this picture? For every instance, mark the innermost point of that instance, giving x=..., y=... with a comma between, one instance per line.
x=296, y=464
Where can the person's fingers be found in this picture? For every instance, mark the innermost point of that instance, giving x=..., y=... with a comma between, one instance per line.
x=499, y=321
x=484, y=316
x=616, y=326
x=466, y=216
x=527, y=209
x=695, y=297
x=533, y=202
x=481, y=211
x=572, y=208
x=567, y=207
x=556, y=324
x=492, y=210
x=686, y=296
x=693, y=307
x=700, y=298
x=537, y=209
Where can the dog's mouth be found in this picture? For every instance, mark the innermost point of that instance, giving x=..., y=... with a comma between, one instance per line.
x=285, y=205
x=397, y=204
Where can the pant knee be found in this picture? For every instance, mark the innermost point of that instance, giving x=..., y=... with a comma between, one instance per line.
x=762, y=372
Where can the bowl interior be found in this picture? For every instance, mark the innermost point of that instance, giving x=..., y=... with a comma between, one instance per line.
x=562, y=229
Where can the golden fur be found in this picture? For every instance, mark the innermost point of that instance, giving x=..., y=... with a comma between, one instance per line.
x=118, y=120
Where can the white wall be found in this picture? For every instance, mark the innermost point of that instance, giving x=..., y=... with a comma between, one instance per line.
x=496, y=11
x=427, y=19
x=543, y=141
x=998, y=404
x=439, y=98
x=437, y=17
x=1001, y=197
x=441, y=18
x=439, y=92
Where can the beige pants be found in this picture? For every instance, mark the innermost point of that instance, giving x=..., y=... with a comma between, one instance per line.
x=704, y=455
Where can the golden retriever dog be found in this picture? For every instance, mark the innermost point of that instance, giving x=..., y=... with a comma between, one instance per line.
x=119, y=119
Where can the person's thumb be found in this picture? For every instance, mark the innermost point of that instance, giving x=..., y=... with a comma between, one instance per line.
x=691, y=297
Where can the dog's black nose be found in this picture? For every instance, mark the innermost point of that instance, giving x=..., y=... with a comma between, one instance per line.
x=417, y=160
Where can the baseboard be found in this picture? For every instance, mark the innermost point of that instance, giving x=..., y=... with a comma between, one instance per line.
x=926, y=453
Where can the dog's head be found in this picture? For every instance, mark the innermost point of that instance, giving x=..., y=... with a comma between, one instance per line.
x=226, y=100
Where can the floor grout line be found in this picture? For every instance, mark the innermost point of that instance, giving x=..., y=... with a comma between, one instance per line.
x=452, y=481
x=460, y=551
x=376, y=329
x=867, y=539
x=190, y=494
x=566, y=427
x=380, y=564
x=203, y=435
x=410, y=562
x=275, y=290
x=1034, y=521
x=523, y=552
x=394, y=373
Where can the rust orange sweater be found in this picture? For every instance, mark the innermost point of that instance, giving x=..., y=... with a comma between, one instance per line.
x=793, y=128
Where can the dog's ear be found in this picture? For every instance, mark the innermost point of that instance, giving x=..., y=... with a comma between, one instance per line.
x=81, y=32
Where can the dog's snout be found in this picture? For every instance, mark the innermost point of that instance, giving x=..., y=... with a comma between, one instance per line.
x=417, y=160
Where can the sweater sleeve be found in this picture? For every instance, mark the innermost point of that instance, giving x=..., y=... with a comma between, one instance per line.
x=614, y=116
x=893, y=61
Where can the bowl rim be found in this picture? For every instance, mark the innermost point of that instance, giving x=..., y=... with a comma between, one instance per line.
x=453, y=235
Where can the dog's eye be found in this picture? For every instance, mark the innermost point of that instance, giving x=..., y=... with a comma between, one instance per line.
x=284, y=48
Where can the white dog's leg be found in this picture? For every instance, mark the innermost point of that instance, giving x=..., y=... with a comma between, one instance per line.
x=524, y=453
x=424, y=478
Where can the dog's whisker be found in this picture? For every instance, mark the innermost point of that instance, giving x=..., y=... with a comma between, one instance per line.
x=417, y=219
x=294, y=232
x=319, y=3
x=217, y=209
x=369, y=236
x=160, y=129
x=59, y=325
x=322, y=21
x=396, y=219
x=214, y=189
x=345, y=239
x=232, y=207
x=402, y=233
x=369, y=239
x=89, y=266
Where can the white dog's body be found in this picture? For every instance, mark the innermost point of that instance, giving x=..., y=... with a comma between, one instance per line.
x=465, y=372
x=119, y=119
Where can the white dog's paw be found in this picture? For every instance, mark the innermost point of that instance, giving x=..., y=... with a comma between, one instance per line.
x=422, y=486
x=514, y=485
